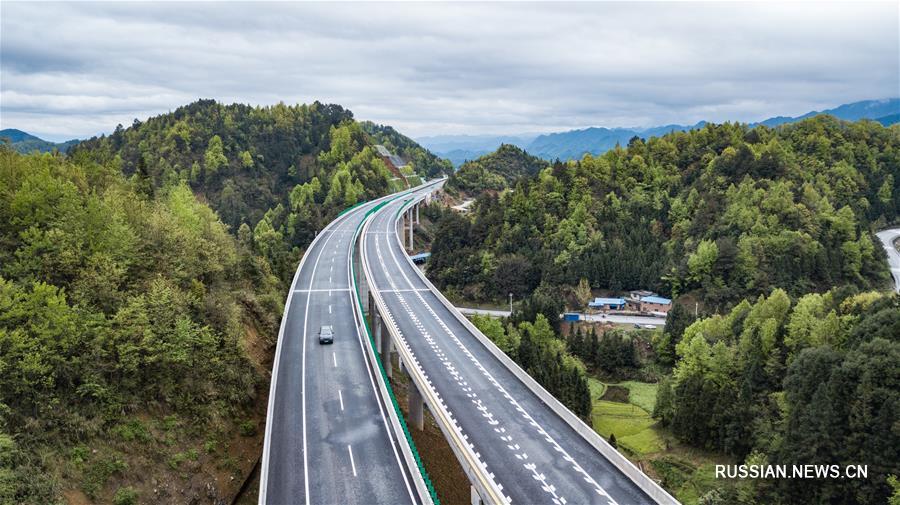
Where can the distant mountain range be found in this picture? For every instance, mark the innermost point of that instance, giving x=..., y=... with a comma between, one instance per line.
x=460, y=148
x=25, y=142
x=574, y=144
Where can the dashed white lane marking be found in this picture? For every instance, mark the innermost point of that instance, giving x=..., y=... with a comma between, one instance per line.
x=334, y=358
x=401, y=290
x=341, y=398
x=352, y=464
x=329, y=309
x=539, y=476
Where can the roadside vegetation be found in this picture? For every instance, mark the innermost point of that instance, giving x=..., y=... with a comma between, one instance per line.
x=123, y=323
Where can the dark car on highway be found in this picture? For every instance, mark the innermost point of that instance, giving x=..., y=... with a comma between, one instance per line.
x=326, y=335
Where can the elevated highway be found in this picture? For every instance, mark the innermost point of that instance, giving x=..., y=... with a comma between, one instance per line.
x=332, y=435
x=516, y=443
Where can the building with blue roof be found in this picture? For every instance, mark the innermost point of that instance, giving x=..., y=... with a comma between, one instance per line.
x=607, y=303
x=655, y=304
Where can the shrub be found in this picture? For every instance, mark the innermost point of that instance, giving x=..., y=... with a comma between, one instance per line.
x=126, y=496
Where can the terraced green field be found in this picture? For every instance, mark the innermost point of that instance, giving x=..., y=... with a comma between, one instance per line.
x=631, y=424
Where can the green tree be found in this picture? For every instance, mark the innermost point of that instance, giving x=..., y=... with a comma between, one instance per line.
x=214, y=158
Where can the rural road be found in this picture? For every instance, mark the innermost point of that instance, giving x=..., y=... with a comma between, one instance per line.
x=610, y=318
x=887, y=238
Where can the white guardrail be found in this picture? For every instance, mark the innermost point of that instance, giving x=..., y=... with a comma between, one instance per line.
x=648, y=485
x=469, y=459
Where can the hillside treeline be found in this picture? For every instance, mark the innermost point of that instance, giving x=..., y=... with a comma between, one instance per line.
x=773, y=230
x=813, y=381
x=279, y=173
x=123, y=319
x=725, y=211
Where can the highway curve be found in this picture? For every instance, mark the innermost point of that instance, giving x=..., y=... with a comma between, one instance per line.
x=533, y=454
x=328, y=440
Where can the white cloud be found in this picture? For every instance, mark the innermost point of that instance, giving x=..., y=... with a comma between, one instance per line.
x=77, y=69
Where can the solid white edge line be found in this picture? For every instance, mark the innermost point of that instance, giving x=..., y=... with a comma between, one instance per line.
x=267, y=438
x=466, y=452
x=395, y=437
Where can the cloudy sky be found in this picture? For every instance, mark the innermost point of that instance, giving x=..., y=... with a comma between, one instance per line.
x=78, y=69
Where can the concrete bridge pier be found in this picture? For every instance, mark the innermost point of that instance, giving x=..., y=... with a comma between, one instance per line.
x=378, y=326
x=410, y=221
x=386, y=352
x=474, y=496
x=416, y=406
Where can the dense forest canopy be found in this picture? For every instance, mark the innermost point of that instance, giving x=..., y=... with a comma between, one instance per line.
x=279, y=173
x=725, y=211
x=773, y=381
x=118, y=310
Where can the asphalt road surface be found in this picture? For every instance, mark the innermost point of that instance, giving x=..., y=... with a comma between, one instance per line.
x=887, y=238
x=533, y=454
x=328, y=440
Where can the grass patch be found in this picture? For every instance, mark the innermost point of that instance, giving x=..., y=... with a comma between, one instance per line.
x=642, y=394
x=131, y=431
x=687, y=473
x=688, y=481
x=646, y=441
x=598, y=389
x=126, y=496
x=631, y=422
x=619, y=418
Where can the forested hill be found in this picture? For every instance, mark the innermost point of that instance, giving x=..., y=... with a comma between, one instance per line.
x=425, y=163
x=126, y=322
x=278, y=173
x=726, y=212
x=495, y=171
